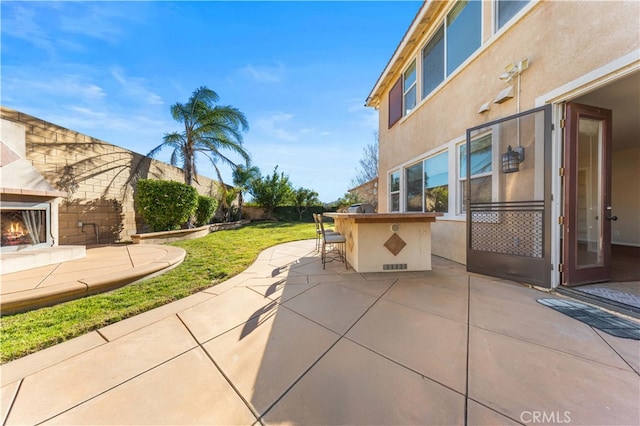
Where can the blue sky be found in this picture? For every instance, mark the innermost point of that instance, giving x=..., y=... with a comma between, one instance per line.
x=299, y=71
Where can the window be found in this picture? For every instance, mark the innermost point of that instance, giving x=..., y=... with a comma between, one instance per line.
x=414, y=180
x=481, y=171
x=395, y=103
x=452, y=44
x=409, y=88
x=463, y=32
x=505, y=10
x=436, y=183
x=394, y=191
x=433, y=62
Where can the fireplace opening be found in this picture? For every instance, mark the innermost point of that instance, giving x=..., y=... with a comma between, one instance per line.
x=23, y=228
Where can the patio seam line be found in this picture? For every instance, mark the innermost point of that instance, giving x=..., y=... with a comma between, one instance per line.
x=256, y=314
x=215, y=364
x=116, y=385
x=508, y=336
x=340, y=337
x=47, y=276
x=304, y=373
x=270, y=314
x=399, y=364
x=426, y=312
x=495, y=411
x=355, y=322
x=615, y=351
x=103, y=336
x=466, y=385
x=13, y=401
x=279, y=300
x=130, y=258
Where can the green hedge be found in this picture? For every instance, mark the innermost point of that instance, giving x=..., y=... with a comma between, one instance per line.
x=206, y=208
x=165, y=205
x=291, y=214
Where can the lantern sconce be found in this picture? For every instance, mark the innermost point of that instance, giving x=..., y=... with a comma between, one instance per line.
x=511, y=159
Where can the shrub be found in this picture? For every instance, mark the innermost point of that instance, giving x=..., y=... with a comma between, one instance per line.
x=165, y=205
x=205, y=210
x=292, y=214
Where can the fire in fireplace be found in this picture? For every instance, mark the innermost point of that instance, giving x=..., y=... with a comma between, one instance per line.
x=20, y=228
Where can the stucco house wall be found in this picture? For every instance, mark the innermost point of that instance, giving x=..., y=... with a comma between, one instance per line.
x=562, y=40
x=99, y=177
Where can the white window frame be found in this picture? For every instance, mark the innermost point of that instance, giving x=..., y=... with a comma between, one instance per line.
x=397, y=192
x=406, y=90
x=451, y=148
x=496, y=24
x=424, y=187
x=406, y=186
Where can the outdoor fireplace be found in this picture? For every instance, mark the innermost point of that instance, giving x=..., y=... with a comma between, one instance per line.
x=28, y=208
x=25, y=225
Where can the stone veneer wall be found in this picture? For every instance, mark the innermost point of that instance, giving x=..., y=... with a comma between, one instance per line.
x=100, y=178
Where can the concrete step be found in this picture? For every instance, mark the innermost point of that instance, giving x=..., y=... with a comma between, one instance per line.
x=28, y=259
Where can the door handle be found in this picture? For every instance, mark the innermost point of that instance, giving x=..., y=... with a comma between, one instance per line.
x=608, y=217
x=614, y=218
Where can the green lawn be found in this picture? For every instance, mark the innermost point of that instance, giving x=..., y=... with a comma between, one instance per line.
x=210, y=260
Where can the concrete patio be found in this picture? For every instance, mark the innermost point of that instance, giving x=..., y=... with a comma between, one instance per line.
x=287, y=342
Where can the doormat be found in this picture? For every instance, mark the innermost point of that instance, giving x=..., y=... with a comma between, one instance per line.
x=597, y=318
x=612, y=294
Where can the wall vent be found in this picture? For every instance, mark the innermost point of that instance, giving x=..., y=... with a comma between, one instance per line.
x=393, y=266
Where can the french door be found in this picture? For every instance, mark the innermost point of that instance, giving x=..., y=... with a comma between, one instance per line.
x=587, y=195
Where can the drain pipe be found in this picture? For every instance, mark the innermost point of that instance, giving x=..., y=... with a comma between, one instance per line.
x=96, y=230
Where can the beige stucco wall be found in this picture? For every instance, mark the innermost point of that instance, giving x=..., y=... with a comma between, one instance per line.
x=102, y=176
x=563, y=41
x=443, y=234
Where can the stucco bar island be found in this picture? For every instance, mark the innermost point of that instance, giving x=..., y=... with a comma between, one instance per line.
x=385, y=242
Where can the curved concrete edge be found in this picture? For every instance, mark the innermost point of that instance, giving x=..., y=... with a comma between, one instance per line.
x=14, y=303
x=27, y=300
x=163, y=237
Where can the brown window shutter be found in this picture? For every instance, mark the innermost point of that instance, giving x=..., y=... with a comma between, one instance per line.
x=395, y=103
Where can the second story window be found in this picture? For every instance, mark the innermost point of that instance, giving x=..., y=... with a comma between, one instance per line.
x=433, y=62
x=464, y=23
x=454, y=41
x=409, y=88
x=507, y=9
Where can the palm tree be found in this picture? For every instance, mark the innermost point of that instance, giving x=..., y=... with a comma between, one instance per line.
x=209, y=130
x=242, y=178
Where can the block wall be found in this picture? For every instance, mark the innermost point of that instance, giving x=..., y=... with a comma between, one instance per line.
x=99, y=177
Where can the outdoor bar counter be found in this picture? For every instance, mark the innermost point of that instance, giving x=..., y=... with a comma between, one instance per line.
x=385, y=242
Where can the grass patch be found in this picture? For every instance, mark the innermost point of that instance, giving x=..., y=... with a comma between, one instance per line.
x=209, y=260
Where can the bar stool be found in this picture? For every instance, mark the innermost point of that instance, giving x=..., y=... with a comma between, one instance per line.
x=319, y=231
x=338, y=243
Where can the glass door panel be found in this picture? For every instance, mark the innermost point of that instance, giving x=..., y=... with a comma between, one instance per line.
x=589, y=201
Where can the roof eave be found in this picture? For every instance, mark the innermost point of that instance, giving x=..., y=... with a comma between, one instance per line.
x=420, y=22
